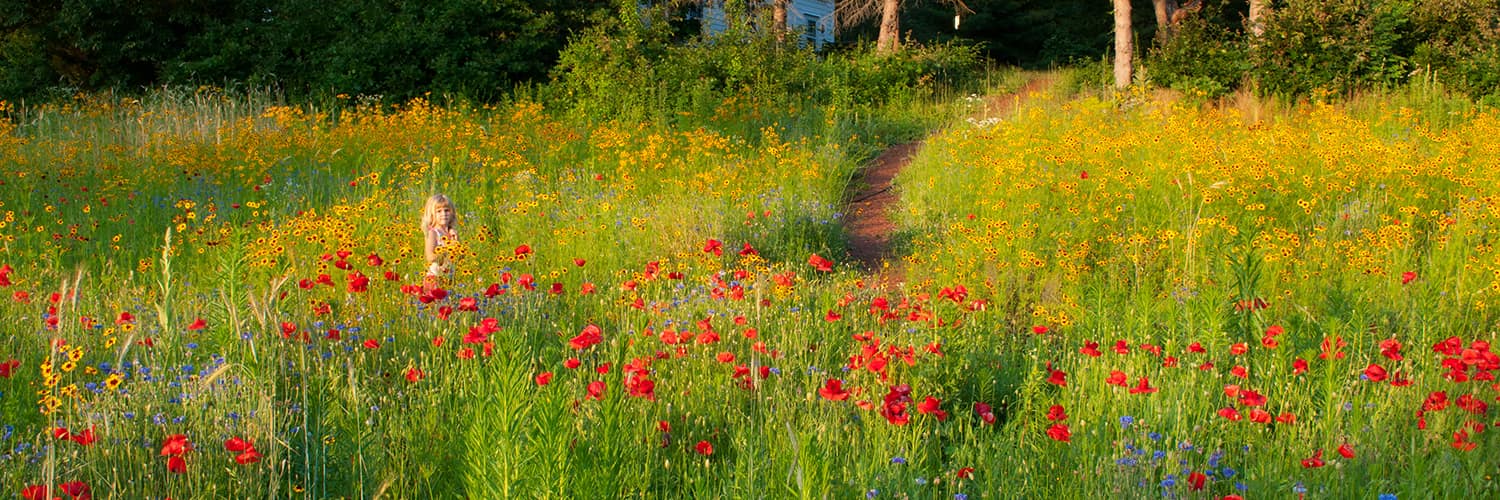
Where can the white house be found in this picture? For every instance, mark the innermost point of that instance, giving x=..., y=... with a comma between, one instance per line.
x=812, y=18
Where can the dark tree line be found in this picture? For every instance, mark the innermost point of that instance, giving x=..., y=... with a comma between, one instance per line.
x=482, y=49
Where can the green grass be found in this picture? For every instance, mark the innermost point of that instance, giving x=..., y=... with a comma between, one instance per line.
x=735, y=347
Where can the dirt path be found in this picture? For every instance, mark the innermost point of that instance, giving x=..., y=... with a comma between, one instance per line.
x=869, y=225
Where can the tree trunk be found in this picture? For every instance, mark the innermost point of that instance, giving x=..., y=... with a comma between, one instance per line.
x=1124, y=44
x=1163, y=10
x=778, y=19
x=890, y=27
x=1257, y=17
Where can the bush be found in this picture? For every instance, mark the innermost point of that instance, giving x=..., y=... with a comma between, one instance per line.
x=1201, y=57
x=1335, y=45
x=637, y=67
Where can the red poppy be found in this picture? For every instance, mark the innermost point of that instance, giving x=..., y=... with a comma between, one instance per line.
x=820, y=263
x=832, y=316
x=197, y=324
x=596, y=390
x=1056, y=412
x=704, y=448
x=1314, y=461
x=523, y=251
x=1375, y=373
x=85, y=438
x=1461, y=441
x=1057, y=377
x=176, y=464
x=586, y=288
x=413, y=375
x=591, y=335
x=1286, y=418
x=125, y=317
x=20, y=296
x=1196, y=348
x=1231, y=414
x=34, y=492
x=1346, y=451
x=175, y=445
x=1472, y=404
x=247, y=457
x=468, y=304
x=1117, y=377
x=1239, y=348
x=833, y=390
x=713, y=246
x=571, y=363
x=1142, y=386
x=1391, y=349
x=1195, y=480
x=1060, y=432
x=1260, y=416
x=358, y=282
x=466, y=353
x=965, y=473
x=1121, y=347
x=725, y=357
x=1299, y=366
x=543, y=378
x=1039, y=329
x=76, y=489
x=237, y=444
x=985, y=412
x=1332, y=347
x=1090, y=349
x=1408, y=277
x=371, y=344
x=1240, y=371
x=8, y=368
x=932, y=406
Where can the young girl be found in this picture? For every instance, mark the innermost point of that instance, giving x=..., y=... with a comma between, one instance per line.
x=437, y=228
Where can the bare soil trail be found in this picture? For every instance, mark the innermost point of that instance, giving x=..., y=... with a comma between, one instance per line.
x=869, y=225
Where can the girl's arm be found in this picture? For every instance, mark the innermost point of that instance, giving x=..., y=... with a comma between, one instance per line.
x=431, y=246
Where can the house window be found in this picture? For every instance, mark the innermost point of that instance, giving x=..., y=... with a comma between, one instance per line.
x=811, y=30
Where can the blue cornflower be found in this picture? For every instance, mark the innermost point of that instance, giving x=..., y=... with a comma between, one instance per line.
x=1387, y=496
x=1169, y=482
x=1155, y=436
x=960, y=496
x=1299, y=488
x=1213, y=460
x=1228, y=472
x=898, y=460
x=1125, y=421
x=1126, y=461
x=872, y=493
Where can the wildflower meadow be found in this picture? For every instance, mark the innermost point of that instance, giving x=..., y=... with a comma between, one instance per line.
x=221, y=296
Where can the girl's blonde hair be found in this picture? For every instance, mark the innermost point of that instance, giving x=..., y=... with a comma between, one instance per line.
x=429, y=211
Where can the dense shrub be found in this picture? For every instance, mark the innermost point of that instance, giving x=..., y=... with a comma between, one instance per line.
x=635, y=67
x=1203, y=56
x=1459, y=44
x=1334, y=45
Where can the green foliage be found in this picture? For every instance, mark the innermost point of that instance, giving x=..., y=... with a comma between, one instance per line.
x=474, y=48
x=1460, y=44
x=635, y=68
x=1202, y=57
x=1334, y=45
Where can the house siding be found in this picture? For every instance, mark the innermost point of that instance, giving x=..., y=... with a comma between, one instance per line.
x=800, y=15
